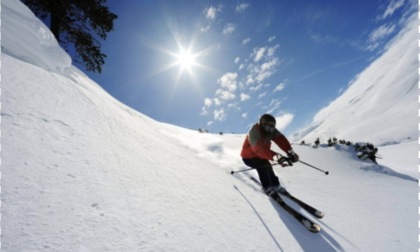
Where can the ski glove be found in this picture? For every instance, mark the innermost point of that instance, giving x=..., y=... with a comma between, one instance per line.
x=284, y=161
x=293, y=157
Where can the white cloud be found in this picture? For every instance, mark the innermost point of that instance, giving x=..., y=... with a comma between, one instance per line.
x=206, y=28
x=208, y=102
x=262, y=95
x=271, y=39
x=274, y=105
x=245, y=97
x=225, y=95
x=283, y=121
x=258, y=53
x=249, y=79
x=210, y=13
x=381, y=32
x=279, y=87
x=234, y=106
x=269, y=65
x=244, y=115
x=219, y=114
x=262, y=76
x=272, y=50
x=229, y=29
x=264, y=71
x=203, y=111
x=229, y=81
x=392, y=7
x=217, y=102
x=241, y=7
x=256, y=68
x=256, y=88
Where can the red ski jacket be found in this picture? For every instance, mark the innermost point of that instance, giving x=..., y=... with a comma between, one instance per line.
x=257, y=143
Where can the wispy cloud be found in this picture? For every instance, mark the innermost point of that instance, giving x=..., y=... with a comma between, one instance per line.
x=225, y=95
x=241, y=7
x=210, y=14
x=256, y=88
x=246, y=41
x=229, y=81
x=279, y=87
x=265, y=64
x=392, y=7
x=323, y=39
x=229, y=29
x=219, y=114
x=245, y=97
x=377, y=37
x=378, y=34
x=208, y=102
x=262, y=95
x=228, y=85
x=381, y=32
x=258, y=53
x=273, y=106
x=234, y=88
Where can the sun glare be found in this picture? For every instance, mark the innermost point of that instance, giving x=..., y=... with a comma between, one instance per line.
x=185, y=60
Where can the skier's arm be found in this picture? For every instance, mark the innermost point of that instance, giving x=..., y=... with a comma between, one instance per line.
x=282, y=142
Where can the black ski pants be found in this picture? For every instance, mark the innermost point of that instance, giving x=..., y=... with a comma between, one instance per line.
x=265, y=171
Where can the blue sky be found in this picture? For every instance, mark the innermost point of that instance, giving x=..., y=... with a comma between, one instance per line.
x=219, y=65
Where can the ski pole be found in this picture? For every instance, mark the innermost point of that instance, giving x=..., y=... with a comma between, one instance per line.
x=233, y=172
x=326, y=172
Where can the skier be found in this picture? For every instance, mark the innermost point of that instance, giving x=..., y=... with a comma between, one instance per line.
x=256, y=152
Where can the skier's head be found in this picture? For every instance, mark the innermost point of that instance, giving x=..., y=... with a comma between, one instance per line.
x=268, y=122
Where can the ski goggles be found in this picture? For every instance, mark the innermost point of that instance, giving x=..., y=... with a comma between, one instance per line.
x=268, y=127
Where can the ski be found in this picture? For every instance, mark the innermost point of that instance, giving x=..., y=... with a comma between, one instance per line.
x=315, y=212
x=318, y=214
x=308, y=224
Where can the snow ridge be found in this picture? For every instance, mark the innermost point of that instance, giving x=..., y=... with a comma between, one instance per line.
x=380, y=104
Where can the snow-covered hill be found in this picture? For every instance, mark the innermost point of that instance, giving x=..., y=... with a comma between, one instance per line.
x=381, y=104
x=83, y=172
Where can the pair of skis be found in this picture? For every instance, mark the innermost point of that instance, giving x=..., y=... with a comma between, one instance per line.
x=307, y=223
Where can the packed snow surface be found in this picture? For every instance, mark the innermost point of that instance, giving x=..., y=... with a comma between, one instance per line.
x=83, y=172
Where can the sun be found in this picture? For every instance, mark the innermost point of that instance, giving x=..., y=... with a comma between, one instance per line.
x=185, y=60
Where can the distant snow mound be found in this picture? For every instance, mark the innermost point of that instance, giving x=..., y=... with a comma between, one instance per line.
x=38, y=47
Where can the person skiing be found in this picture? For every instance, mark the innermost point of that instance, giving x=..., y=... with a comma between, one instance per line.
x=256, y=152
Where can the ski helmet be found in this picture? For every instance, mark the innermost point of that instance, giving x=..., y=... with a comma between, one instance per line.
x=267, y=118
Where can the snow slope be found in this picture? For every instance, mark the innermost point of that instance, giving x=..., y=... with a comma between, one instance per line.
x=83, y=172
x=381, y=104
